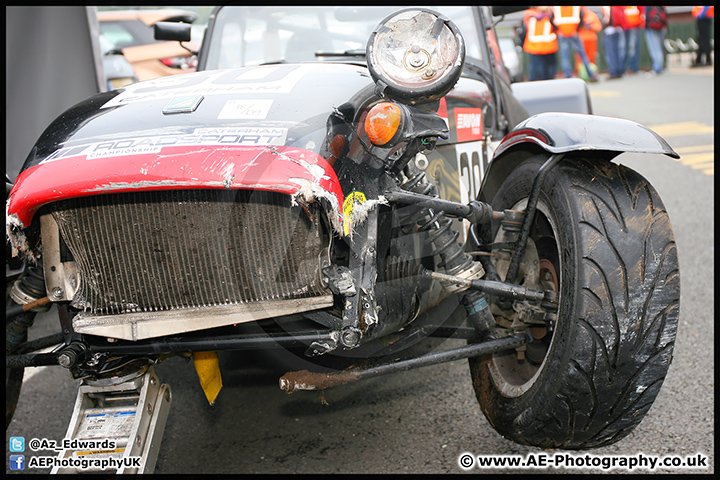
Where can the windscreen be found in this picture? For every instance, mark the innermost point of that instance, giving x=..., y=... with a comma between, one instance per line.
x=245, y=36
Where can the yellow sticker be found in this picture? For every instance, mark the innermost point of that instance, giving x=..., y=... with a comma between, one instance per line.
x=348, y=205
x=100, y=452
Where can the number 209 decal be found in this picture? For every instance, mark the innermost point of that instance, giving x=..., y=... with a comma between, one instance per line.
x=471, y=169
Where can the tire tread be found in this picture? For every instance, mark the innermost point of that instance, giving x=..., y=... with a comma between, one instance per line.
x=626, y=314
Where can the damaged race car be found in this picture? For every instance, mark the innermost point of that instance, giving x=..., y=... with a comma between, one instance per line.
x=352, y=181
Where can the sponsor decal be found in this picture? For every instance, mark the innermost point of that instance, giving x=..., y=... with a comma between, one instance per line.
x=236, y=136
x=442, y=111
x=468, y=124
x=348, y=206
x=245, y=109
x=251, y=80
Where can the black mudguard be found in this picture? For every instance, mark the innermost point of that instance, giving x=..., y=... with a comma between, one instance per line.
x=556, y=132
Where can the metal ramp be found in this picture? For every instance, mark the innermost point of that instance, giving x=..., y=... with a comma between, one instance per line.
x=117, y=425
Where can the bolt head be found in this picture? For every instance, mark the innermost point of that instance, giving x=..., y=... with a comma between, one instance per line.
x=67, y=359
x=350, y=337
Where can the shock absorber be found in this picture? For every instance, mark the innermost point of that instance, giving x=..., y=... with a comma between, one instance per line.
x=453, y=257
x=442, y=238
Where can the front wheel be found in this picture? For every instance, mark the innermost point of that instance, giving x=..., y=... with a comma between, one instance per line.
x=602, y=238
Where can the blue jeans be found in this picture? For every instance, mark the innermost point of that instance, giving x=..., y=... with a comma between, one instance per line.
x=564, y=45
x=542, y=67
x=654, y=40
x=632, y=39
x=614, y=42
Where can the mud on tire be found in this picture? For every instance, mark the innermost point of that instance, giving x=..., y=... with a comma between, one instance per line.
x=619, y=302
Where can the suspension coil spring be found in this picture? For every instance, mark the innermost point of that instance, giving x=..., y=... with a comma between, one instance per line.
x=400, y=267
x=442, y=238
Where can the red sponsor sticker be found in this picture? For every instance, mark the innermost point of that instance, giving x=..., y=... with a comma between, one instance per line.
x=442, y=109
x=468, y=123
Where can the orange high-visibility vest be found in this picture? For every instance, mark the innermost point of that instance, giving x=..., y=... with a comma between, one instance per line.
x=589, y=36
x=540, y=38
x=591, y=22
x=633, y=18
x=710, y=13
x=567, y=20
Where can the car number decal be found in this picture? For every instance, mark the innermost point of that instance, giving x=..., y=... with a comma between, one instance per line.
x=470, y=169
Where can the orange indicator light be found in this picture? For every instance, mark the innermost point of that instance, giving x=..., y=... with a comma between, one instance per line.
x=382, y=122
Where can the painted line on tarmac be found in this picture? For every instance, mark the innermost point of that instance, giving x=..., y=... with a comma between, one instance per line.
x=696, y=148
x=698, y=157
x=703, y=71
x=605, y=93
x=681, y=129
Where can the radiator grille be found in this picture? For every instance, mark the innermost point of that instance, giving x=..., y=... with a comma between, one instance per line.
x=154, y=251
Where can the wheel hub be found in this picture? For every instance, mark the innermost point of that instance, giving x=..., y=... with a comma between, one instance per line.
x=515, y=372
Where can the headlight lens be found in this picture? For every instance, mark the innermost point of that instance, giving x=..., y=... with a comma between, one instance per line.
x=418, y=54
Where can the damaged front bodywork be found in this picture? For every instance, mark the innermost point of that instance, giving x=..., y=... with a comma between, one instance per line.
x=301, y=176
x=288, y=170
x=246, y=131
x=245, y=143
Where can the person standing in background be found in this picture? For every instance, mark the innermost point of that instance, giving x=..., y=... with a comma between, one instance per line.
x=540, y=42
x=655, y=28
x=614, y=40
x=588, y=32
x=632, y=28
x=704, y=17
x=568, y=20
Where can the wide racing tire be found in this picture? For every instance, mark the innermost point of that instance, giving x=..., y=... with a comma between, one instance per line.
x=618, y=277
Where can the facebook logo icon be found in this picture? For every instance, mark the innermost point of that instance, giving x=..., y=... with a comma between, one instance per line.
x=17, y=462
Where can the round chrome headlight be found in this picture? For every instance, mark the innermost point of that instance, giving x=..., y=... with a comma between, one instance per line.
x=415, y=55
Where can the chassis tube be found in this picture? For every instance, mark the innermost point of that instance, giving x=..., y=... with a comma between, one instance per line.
x=305, y=380
x=499, y=289
x=530, y=216
x=30, y=360
x=475, y=211
x=233, y=342
x=172, y=345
